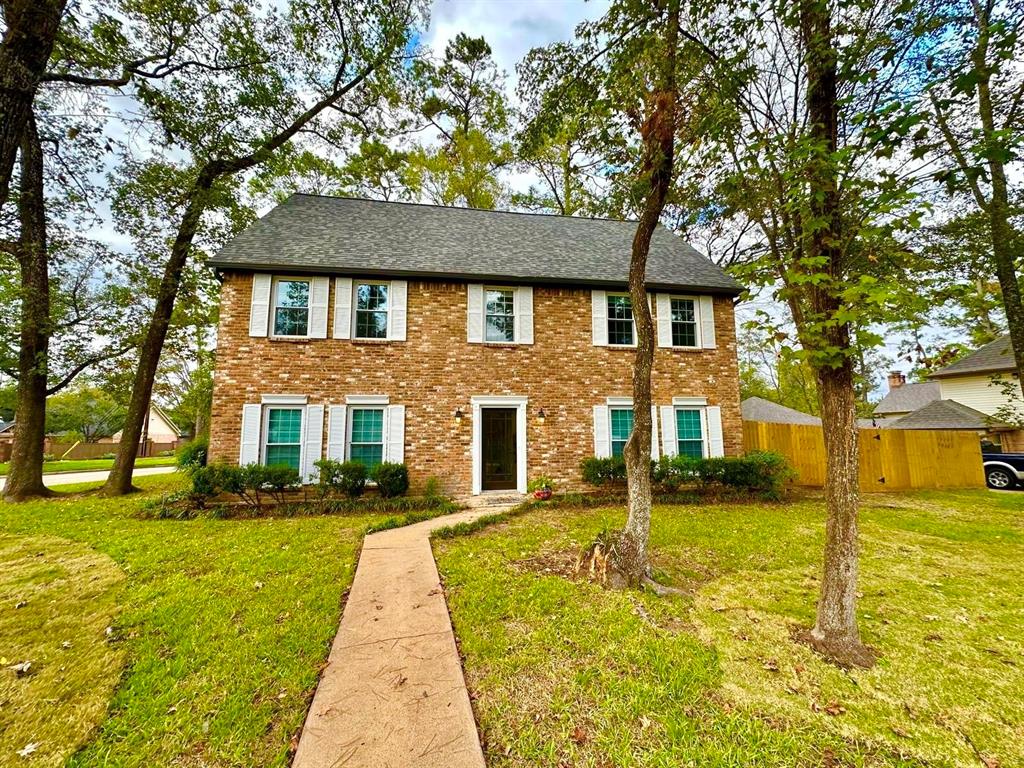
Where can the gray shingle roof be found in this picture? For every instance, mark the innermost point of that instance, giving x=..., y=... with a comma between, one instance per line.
x=759, y=409
x=995, y=356
x=308, y=233
x=946, y=414
x=5, y=425
x=907, y=398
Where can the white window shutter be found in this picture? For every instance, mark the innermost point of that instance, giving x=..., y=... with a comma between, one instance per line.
x=397, y=317
x=654, y=432
x=668, y=430
x=313, y=441
x=336, y=432
x=602, y=438
x=716, y=444
x=259, y=308
x=252, y=426
x=343, y=307
x=524, y=314
x=475, y=313
x=319, y=295
x=707, y=322
x=664, y=320
x=599, y=317
x=395, y=452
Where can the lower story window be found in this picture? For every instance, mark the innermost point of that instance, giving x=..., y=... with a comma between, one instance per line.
x=621, y=425
x=283, y=437
x=366, y=436
x=689, y=433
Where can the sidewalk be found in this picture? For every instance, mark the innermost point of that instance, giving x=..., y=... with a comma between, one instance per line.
x=93, y=476
x=393, y=693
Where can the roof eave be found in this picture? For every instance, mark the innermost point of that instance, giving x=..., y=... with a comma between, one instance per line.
x=220, y=265
x=972, y=372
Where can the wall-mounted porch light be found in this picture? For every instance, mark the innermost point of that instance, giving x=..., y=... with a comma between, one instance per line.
x=541, y=416
x=458, y=415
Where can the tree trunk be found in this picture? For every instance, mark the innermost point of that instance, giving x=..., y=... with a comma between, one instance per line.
x=120, y=480
x=25, y=479
x=835, y=631
x=1004, y=238
x=658, y=133
x=31, y=30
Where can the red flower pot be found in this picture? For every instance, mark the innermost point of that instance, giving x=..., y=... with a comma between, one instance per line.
x=543, y=494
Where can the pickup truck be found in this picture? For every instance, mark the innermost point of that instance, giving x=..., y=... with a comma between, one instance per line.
x=1003, y=471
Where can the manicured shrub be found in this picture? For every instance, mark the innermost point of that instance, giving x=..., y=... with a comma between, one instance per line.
x=192, y=454
x=763, y=473
x=608, y=470
x=392, y=479
x=346, y=478
x=250, y=482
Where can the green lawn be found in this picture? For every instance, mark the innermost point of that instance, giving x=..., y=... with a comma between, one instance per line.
x=159, y=642
x=567, y=673
x=86, y=465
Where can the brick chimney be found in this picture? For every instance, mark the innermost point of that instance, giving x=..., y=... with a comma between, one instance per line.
x=896, y=380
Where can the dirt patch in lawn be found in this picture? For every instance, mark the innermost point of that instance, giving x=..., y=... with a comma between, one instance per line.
x=57, y=609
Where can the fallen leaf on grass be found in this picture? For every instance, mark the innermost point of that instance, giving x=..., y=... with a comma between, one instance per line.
x=579, y=735
x=834, y=708
x=28, y=749
x=771, y=665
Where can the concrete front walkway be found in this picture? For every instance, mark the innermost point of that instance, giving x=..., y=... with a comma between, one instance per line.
x=393, y=693
x=92, y=476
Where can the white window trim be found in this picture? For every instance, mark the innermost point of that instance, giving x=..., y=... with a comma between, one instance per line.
x=273, y=305
x=356, y=282
x=478, y=403
x=698, y=339
x=284, y=399
x=365, y=405
x=285, y=405
x=515, y=313
x=627, y=402
x=689, y=401
x=701, y=408
x=608, y=319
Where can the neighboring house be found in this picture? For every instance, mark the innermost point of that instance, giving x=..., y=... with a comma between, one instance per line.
x=483, y=348
x=985, y=380
x=6, y=431
x=759, y=409
x=904, y=398
x=948, y=414
x=160, y=428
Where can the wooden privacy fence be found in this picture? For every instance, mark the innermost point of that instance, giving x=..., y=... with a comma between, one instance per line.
x=99, y=450
x=890, y=459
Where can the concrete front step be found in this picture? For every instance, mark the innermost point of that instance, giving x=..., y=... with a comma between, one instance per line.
x=492, y=500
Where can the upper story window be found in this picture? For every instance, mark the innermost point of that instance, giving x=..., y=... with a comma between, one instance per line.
x=621, y=425
x=371, y=311
x=282, y=437
x=684, y=322
x=499, y=315
x=620, y=319
x=689, y=432
x=291, y=307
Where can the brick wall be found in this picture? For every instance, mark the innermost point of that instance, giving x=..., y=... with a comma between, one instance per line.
x=436, y=371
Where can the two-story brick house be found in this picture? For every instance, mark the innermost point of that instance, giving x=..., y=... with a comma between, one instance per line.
x=483, y=348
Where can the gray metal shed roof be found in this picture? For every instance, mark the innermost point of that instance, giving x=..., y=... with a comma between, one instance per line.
x=946, y=414
x=993, y=357
x=907, y=398
x=309, y=233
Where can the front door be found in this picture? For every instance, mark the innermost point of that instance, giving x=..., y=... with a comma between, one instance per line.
x=498, y=434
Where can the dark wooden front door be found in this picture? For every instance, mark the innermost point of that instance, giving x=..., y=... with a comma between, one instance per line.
x=498, y=434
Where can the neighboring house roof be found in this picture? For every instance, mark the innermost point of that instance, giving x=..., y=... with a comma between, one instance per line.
x=907, y=398
x=946, y=414
x=157, y=415
x=759, y=409
x=310, y=233
x=993, y=357
x=5, y=425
